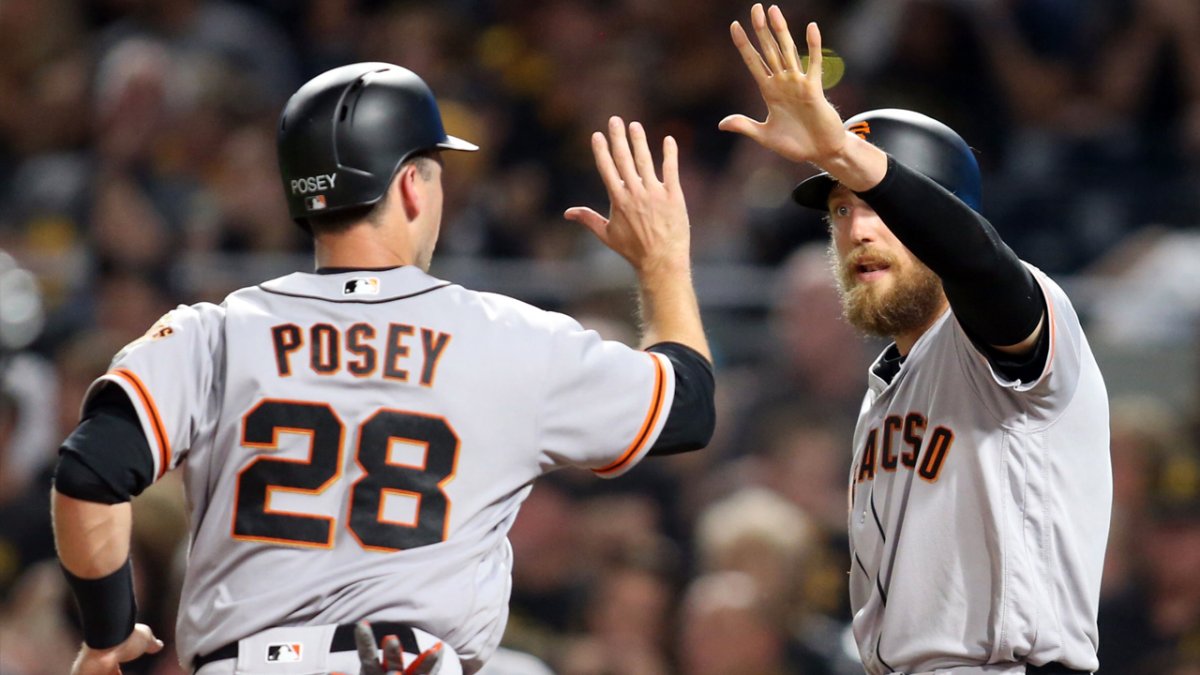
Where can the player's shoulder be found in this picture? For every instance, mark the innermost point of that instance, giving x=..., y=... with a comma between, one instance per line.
x=184, y=327
x=509, y=312
x=200, y=315
x=1054, y=292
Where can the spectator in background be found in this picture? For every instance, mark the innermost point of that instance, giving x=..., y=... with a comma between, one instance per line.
x=213, y=30
x=28, y=399
x=758, y=533
x=626, y=626
x=547, y=587
x=820, y=352
x=727, y=628
x=1144, y=431
x=1157, y=618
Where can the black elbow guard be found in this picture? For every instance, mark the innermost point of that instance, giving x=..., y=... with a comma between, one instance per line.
x=693, y=415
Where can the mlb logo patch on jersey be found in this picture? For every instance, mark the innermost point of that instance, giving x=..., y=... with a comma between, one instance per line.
x=284, y=652
x=315, y=203
x=361, y=286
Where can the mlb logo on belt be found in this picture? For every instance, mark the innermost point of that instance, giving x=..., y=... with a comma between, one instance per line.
x=315, y=203
x=284, y=652
x=361, y=286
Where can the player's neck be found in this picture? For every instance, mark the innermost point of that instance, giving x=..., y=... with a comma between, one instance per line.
x=905, y=341
x=362, y=246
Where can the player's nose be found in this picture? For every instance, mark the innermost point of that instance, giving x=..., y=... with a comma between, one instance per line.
x=864, y=226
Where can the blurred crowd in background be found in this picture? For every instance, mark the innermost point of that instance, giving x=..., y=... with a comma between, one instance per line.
x=137, y=141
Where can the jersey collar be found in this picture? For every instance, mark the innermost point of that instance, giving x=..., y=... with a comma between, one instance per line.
x=360, y=286
x=876, y=382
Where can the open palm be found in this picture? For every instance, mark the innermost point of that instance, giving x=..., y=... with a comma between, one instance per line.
x=801, y=124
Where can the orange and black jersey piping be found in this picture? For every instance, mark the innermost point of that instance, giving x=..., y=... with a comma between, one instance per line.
x=692, y=418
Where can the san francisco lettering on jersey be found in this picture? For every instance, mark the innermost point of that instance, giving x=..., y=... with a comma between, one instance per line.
x=898, y=443
x=362, y=350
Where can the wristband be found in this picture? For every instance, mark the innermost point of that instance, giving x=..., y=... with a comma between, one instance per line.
x=107, y=607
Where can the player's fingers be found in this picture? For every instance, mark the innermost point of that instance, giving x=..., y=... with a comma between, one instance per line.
x=428, y=662
x=393, y=654
x=151, y=644
x=671, y=163
x=621, y=154
x=605, y=165
x=766, y=41
x=740, y=124
x=140, y=641
x=368, y=652
x=641, y=153
x=753, y=60
x=588, y=218
x=787, y=46
x=813, y=35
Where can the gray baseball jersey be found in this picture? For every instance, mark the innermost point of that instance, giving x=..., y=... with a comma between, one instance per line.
x=980, y=506
x=357, y=445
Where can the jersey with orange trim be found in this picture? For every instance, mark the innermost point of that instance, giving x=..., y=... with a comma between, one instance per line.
x=980, y=506
x=358, y=444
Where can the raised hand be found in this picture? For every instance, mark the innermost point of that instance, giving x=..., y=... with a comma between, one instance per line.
x=648, y=225
x=648, y=220
x=801, y=124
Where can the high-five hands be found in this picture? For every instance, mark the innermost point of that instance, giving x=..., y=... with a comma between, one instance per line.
x=648, y=220
x=801, y=124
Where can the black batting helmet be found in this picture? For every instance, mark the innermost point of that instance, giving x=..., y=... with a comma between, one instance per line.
x=344, y=134
x=917, y=141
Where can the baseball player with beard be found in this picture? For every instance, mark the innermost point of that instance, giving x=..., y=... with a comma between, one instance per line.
x=980, y=488
x=358, y=440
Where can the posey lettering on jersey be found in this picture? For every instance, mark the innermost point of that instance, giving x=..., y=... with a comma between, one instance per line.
x=902, y=442
x=361, y=350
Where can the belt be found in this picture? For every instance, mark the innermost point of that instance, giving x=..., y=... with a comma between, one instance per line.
x=1054, y=668
x=343, y=641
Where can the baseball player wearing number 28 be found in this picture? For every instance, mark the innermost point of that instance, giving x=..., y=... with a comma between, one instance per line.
x=980, y=488
x=357, y=441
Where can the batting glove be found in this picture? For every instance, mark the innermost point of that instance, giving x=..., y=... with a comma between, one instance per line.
x=427, y=662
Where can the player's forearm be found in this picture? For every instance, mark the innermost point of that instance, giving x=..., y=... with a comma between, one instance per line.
x=993, y=295
x=669, y=309
x=92, y=538
x=93, y=547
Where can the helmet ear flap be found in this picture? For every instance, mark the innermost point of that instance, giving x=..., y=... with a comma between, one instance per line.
x=344, y=134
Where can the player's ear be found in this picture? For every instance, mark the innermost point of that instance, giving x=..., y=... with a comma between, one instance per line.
x=407, y=190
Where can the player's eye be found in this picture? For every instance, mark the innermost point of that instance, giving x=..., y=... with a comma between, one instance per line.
x=841, y=210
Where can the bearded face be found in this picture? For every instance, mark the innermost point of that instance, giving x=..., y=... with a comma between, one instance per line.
x=885, y=295
x=885, y=290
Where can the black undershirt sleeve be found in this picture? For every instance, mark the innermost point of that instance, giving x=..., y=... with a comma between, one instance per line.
x=692, y=417
x=993, y=295
x=106, y=459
